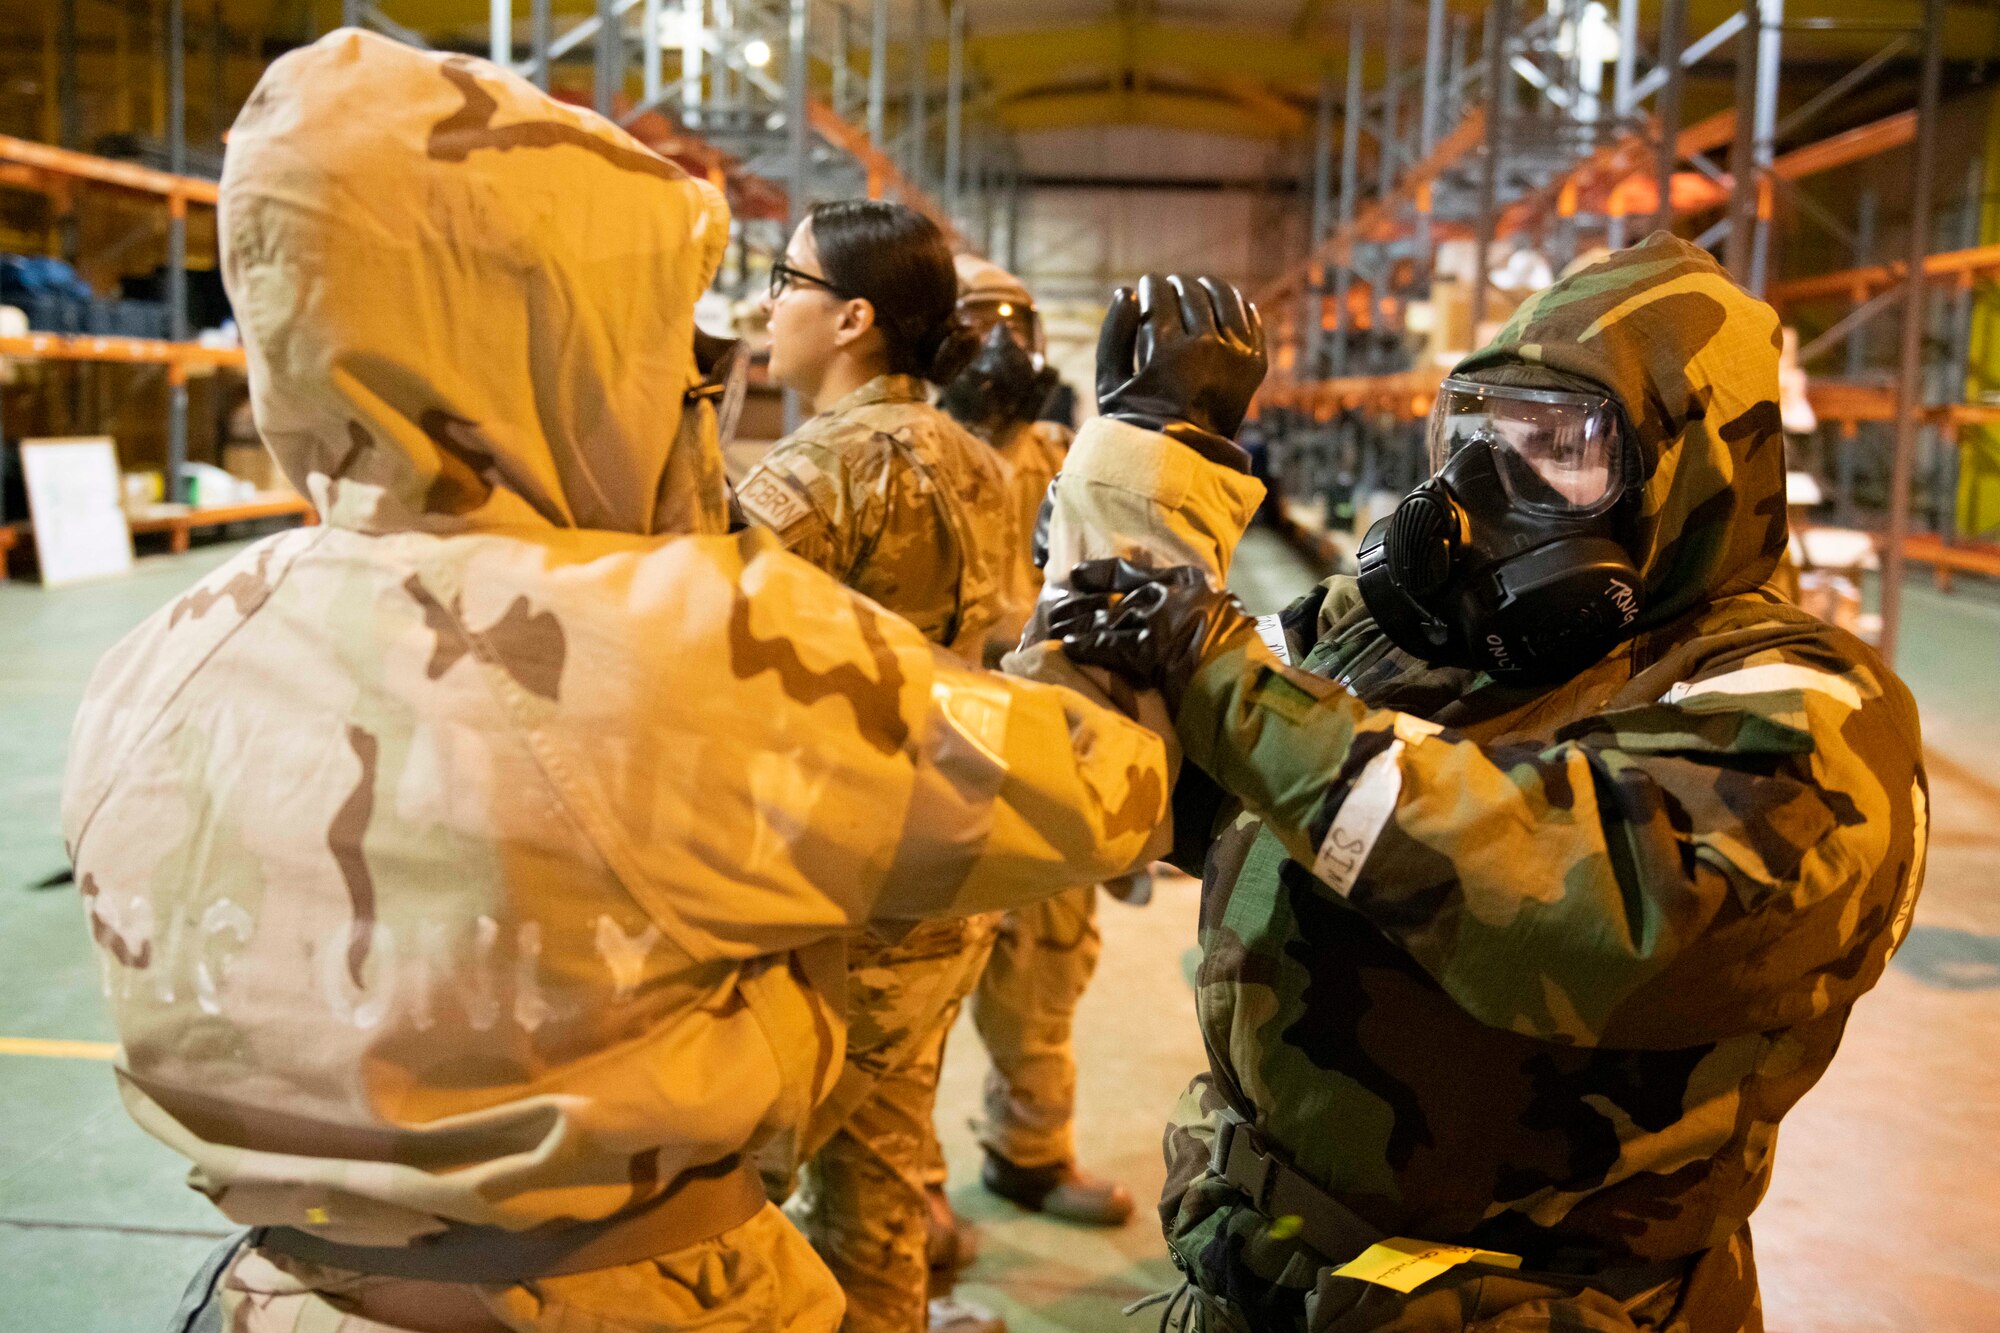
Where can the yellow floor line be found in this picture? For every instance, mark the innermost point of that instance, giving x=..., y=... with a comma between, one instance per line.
x=59, y=1050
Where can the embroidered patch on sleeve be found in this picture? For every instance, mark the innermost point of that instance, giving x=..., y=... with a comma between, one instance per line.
x=770, y=502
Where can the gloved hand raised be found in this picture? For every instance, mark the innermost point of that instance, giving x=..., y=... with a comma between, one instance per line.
x=1156, y=628
x=1183, y=356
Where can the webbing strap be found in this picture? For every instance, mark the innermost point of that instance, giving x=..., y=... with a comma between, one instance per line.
x=1338, y=1234
x=698, y=1207
x=1327, y=1226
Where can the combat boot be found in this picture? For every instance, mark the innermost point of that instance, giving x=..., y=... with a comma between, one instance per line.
x=952, y=1242
x=1062, y=1190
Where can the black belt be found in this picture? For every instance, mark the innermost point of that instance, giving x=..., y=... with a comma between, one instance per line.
x=699, y=1206
x=1338, y=1234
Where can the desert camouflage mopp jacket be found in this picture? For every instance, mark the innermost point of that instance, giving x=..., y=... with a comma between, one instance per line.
x=485, y=855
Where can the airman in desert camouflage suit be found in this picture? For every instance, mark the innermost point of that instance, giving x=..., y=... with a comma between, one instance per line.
x=1538, y=970
x=471, y=874
x=1032, y=452
x=1044, y=955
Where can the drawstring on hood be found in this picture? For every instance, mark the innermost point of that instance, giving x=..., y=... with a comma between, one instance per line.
x=467, y=305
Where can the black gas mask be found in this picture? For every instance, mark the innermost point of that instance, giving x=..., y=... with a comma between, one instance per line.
x=1002, y=383
x=1512, y=558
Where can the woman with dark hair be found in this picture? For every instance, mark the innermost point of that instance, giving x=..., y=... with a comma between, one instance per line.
x=898, y=501
x=892, y=259
x=879, y=488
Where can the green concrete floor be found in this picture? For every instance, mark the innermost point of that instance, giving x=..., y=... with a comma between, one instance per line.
x=1885, y=1213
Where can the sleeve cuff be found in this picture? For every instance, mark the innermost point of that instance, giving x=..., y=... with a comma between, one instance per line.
x=1147, y=463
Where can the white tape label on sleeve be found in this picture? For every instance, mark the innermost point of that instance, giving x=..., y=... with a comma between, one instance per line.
x=1770, y=678
x=1272, y=631
x=1412, y=728
x=1360, y=820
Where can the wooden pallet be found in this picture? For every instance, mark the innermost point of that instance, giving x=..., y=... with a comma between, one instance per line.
x=1947, y=559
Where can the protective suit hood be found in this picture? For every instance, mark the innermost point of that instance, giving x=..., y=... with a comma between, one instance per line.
x=466, y=305
x=1693, y=359
x=983, y=280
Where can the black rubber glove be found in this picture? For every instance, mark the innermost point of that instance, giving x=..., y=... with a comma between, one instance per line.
x=1300, y=622
x=1183, y=356
x=1156, y=628
x=999, y=386
x=1038, y=542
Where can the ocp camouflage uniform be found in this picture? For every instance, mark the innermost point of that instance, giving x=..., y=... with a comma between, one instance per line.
x=1032, y=453
x=898, y=501
x=471, y=875
x=1539, y=971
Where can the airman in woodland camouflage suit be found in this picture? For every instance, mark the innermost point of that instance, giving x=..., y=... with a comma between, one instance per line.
x=471, y=874
x=1539, y=970
x=896, y=500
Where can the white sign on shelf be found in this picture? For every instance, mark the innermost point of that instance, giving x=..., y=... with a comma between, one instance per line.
x=74, y=501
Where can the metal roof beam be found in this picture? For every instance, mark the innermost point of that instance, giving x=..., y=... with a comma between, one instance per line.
x=1167, y=108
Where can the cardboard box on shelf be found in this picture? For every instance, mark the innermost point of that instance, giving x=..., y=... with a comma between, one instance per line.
x=1449, y=336
x=253, y=463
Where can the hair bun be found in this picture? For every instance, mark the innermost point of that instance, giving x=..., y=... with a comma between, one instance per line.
x=898, y=261
x=947, y=349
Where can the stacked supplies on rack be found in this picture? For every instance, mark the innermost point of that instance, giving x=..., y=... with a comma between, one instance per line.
x=56, y=299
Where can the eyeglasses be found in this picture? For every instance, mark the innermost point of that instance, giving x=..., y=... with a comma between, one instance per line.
x=784, y=277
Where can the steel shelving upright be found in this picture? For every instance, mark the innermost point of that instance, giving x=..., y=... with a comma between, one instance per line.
x=56, y=170
x=1622, y=165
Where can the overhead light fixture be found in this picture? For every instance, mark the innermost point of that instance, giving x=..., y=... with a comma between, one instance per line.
x=756, y=53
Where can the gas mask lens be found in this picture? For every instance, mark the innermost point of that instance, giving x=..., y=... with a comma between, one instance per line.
x=1023, y=324
x=1556, y=452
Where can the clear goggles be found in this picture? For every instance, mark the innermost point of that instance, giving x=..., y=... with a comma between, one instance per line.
x=1556, y=452
x=1025, y=326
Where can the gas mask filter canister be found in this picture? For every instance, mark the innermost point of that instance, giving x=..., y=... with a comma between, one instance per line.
x=1510, y=559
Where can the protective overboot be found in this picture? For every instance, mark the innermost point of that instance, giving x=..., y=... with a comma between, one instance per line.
x=951, y=1315
x=953, y=1242
x=1062, y=1190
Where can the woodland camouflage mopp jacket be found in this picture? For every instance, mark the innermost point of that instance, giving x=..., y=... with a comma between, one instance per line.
x=1540, y=970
